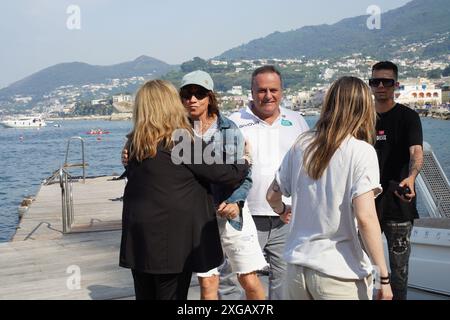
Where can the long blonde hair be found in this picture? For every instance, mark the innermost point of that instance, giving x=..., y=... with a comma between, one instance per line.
x=157, y=113
x=348, y=110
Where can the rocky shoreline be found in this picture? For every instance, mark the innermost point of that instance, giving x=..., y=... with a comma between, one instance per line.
x=113, y=117
x=441, y=114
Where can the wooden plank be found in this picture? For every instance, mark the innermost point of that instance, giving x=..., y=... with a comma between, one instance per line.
x=93, y=201
x=57, y=288
x=36, y=269
x=34, y=264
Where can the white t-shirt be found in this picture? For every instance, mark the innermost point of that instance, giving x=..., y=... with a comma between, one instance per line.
x=269, y=144
x=324, y=235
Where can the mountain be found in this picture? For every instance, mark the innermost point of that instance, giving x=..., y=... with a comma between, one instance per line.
x=78, y=73
x=416, y=21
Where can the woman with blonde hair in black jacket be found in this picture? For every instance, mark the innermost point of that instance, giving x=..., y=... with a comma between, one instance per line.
x=169, y=223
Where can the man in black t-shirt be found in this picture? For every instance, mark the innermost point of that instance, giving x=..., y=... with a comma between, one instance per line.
x=400, y=157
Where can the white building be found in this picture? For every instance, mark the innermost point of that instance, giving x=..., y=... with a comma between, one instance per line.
x=329, y=73
x=304, y=98
x=99, y=101
x=219, y=63
x=236, y=90
x=122, y=98
x=19, y=99
x=418, y=92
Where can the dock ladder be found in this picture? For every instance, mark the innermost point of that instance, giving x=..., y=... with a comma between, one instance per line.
x=83, y=164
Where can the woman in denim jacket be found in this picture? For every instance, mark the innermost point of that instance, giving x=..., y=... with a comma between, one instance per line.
x=237, y=231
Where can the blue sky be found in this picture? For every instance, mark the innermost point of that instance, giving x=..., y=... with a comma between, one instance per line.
x=34, y=33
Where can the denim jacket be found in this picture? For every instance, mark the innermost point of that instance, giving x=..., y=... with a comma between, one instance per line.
x=233, y=146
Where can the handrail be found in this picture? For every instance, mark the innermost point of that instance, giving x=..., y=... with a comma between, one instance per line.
x=83, y=164
x=433, y=185
x=65, y=183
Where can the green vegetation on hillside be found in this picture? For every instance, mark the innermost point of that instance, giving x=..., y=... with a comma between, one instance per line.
x=413, y=24
x=86, y=108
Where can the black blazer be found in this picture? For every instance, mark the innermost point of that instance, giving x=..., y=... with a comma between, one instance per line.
x=169, y=221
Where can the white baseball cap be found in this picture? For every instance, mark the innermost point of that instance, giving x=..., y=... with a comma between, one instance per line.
x=200, y=78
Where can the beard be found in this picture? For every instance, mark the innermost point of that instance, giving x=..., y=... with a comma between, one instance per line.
x=382, y=97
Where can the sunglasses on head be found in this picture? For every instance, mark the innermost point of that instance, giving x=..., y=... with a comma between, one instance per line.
x=375, y=82
x=199, y=94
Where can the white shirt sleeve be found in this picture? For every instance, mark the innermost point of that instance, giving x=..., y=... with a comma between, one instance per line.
x=366, y=173
x=284, y=174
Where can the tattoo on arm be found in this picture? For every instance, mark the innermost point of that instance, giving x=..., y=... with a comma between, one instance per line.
x=415, y=164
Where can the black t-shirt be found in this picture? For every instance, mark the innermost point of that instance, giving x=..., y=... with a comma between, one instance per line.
x=397, y=130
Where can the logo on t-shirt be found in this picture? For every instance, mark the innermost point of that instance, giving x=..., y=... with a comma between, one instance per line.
x=286, y=123
x=381, y=135
x=249, y=124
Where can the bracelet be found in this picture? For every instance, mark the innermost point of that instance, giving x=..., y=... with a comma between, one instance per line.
x=284, y=209
x=385, y=280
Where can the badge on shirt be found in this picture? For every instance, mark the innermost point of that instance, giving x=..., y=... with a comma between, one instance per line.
x=381, y=135
x=286, y=123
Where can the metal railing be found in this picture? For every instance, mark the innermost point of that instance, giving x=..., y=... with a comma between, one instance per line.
x=434, y=186
x=83, y=164
x=65, y=182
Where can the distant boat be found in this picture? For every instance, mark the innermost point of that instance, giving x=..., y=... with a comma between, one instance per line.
x=97, y=132
x=24, y=122
x=309, y=113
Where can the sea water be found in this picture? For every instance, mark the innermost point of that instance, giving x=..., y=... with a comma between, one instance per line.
x=28, y=156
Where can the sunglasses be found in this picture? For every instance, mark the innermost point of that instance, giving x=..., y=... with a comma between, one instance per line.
x=375, y=82
x=199, y=94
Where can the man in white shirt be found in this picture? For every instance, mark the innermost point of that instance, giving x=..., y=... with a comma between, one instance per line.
x=270, y=131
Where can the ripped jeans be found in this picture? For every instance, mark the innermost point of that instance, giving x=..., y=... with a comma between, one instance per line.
x=398, y=236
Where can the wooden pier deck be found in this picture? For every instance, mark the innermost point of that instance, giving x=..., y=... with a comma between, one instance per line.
x=97, y=206
x=42, y=263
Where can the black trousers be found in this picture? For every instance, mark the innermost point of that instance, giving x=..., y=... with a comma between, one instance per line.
x=148, y=286
x=398, y=236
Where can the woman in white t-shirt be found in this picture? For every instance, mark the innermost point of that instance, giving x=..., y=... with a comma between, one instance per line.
x=332, y=174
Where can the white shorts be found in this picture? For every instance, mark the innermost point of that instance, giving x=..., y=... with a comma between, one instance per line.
x=241, y=248
x=210, y=273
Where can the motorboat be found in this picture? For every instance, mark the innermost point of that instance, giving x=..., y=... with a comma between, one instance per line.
x=24, y=122
x=97, y=132
x=429, y=263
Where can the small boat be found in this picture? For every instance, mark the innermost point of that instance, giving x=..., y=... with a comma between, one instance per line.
x=97, y=132
x=24, y=122
x=311, y=113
